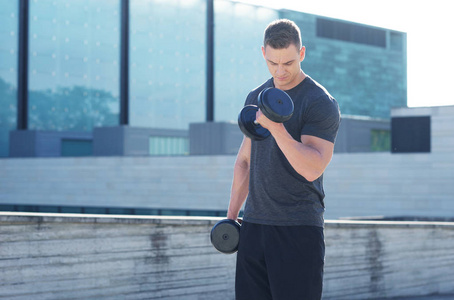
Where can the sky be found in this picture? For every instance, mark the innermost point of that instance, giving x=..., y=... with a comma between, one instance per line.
x=430, y=40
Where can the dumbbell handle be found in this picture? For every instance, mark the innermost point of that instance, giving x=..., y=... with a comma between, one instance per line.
x=256, y=123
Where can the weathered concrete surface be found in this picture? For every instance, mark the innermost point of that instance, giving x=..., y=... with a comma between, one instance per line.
x=379, y=260
x=56, y=256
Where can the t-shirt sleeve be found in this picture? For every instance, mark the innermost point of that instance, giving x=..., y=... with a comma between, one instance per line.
x=249, y=99
x=322, y=119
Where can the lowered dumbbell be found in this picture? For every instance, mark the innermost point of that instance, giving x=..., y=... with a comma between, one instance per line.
x=274, y=103
x=225, y=236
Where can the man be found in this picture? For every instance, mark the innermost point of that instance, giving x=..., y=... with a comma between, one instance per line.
x=281, y=250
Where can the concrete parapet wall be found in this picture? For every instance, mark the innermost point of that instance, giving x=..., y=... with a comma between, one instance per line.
x=379, y=260
x=93, y=257
x=60, y=256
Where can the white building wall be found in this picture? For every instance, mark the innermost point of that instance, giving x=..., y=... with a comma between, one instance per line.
x=359, y=184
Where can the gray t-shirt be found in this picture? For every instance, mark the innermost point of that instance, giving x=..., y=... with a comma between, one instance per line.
x=278, y=195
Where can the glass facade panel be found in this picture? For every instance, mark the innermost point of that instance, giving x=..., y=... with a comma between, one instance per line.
x=167, y=63
x=74, y=147
x=239, y=65
x=349, y=32
x=9, y=35
x=168, y=145
x=380, y=140
x=74, y=51
x=396, y=41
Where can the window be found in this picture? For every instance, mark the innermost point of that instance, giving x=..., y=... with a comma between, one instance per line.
x=9, y=19
x=76, y=147
x=380, y=140
x=350, y=32
x=167, y=63
x=396, y=41
x=169, y=145
x=73, y=64
x=410, y=134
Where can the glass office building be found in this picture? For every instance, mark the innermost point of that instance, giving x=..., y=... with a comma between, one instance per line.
x=9, y=11
x=75, y=66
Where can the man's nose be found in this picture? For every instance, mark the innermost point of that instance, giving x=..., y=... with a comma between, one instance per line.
x=280, y=70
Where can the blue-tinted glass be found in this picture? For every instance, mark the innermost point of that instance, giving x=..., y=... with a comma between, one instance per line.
x=396, y=41
x=380, y=140
x=167, y=63
x=239, y=65
x=168, y=145
x=8, y=71
x=74, y=147
x=71, y=209
x=94, y=210
x=74, y=64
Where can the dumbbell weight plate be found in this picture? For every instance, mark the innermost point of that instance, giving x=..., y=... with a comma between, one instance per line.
x=246, y=121
x=276, y=104
x=225, y=236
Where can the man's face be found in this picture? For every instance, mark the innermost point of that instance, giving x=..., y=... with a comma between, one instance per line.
x=284, y=65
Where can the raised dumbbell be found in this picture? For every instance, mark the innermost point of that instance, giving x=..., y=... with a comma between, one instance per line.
x=274, y=103
x=225, y=236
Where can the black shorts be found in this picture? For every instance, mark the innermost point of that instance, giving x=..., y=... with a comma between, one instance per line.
x=280, y=262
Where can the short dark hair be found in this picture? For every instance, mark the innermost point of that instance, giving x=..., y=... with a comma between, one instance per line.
x=281, y=33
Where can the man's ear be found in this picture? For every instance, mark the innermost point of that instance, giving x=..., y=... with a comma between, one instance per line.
x=302, y=53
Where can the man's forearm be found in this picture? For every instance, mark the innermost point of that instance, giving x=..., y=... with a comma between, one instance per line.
x=240, y=189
